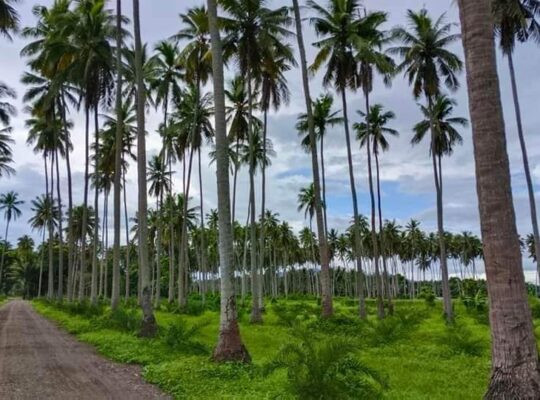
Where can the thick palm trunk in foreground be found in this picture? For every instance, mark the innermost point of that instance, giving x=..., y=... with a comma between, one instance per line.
x=326, y=290
x=149, y=326
x=229, y=346
x=515, y=368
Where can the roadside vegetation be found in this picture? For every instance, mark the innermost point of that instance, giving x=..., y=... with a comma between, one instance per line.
x=296, y=354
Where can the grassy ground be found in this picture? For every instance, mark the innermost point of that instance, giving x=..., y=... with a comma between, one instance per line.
x=417, y=355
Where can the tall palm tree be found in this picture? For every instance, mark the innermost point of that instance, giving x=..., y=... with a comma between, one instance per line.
x=160, y=181
x=519, y=21
x=117, y=185
x=323, y=117
x=9, y=18
x=149, y=326
x=46, y=213
x=371, y=135
x=253, y=30
x=339, y=28
x=229, y=346
x=515, y=366
x=9, y=204
x=428, y=65
x=327, y=307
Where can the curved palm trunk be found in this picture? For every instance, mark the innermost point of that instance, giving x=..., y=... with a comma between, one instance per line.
x=84, y=222
x=357, y=239
x=515, y=367
x=326, y=291
x=148, y=326
x=526, y=168
x=323, y=176
x=115, y=289
x=374, y=240
x=60, y=234
x=229, y=346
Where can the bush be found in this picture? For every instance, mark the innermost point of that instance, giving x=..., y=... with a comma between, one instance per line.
x=339, y=324
x=292, y=315
x=426, y=293
x=392, y=328
x=460, y=340
x=121, y=319
x=180, y=337
x=326, y=369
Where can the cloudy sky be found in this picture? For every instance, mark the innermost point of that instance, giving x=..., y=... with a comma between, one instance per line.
x=408, y=189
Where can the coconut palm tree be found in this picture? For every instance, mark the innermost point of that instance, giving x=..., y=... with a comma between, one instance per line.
x=371, y=135
x=229, y=346
x=519, y=21
x=9, y=204
x=149, y=326
x=252, y=30
x=9, y=18
x=160, y=181
x=327, y=307
x=46, y=213
x=6, y=154
x=323, y=117
x=515, y=366
x=117, y=185
x=428, y=65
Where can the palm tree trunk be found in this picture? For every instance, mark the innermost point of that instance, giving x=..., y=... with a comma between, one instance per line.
x=515, y=366
x=184, y=256
x=437, y=174
x=71, y=239
x=381, y=232
x=40, y=279
x=236, y=168
x=374, y=240
x=148, y=326
x=93, y=286
x=323, y=176
x=229, y=346
x=60, y=233
x=158, y=252
x=4, y=249
x=263, y=208
x=50, y=284
x=327, y=306
x=526, y=168
x=128, y=248
x=115, y=289
x=84, y=222
x=203, y=234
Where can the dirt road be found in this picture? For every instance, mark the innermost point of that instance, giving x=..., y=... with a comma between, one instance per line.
x=40, y=361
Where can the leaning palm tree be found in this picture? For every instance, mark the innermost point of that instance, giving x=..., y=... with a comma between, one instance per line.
x=149, y=326
x=428, y=65
x=229, y=346
x=371, y=135
x=9, y=204
x=519, y=21
x=323, y=117
x=515, y=366
x=9, y=18
x=327, y=307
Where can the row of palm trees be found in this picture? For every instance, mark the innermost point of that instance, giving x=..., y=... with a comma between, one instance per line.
x=74, y=63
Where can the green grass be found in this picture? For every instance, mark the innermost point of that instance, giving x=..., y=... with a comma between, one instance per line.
x=419, y=356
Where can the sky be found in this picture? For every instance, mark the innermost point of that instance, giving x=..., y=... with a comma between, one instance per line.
x=406, y=171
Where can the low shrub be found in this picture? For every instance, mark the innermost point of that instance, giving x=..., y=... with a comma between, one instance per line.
x=180, y=337
x=121, y=319
x=458, y=339
x=326, y=369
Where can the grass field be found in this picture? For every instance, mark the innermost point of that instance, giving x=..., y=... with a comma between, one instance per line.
x=414, y=354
